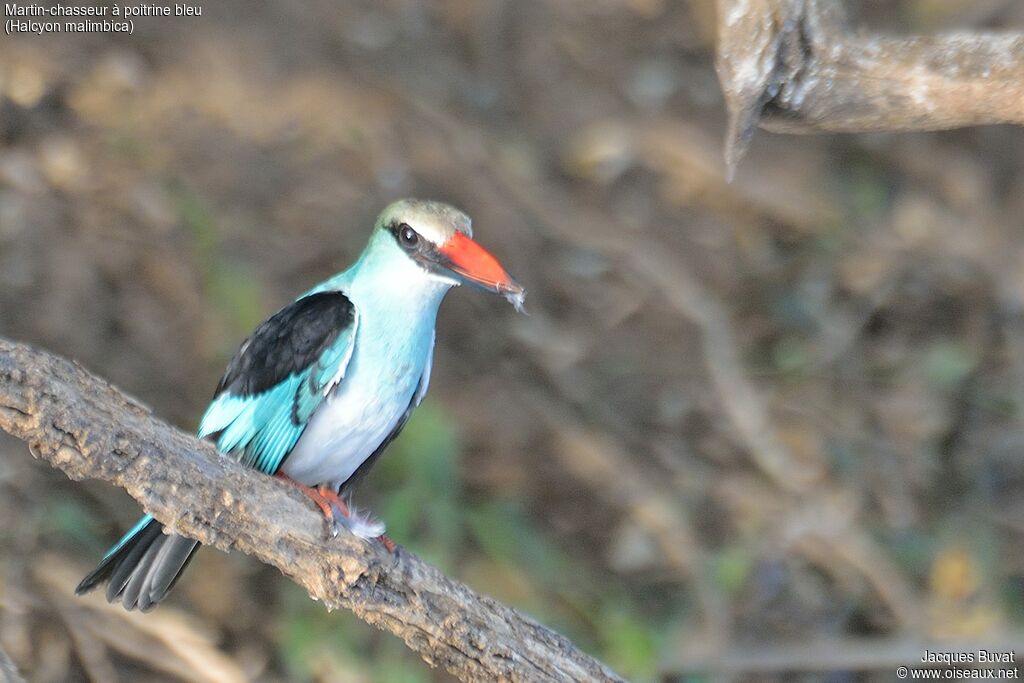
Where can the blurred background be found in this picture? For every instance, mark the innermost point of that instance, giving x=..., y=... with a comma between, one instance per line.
x=762, y=428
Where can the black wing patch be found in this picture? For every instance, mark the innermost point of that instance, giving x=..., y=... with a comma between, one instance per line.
x=287, y=343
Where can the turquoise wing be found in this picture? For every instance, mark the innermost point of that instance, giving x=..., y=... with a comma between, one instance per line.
x=324, y=375
x=279, y=377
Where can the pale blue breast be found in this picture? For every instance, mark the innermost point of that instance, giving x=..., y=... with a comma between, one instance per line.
x=392, y=348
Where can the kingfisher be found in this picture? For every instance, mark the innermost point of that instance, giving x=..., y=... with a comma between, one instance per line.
x=320, y=389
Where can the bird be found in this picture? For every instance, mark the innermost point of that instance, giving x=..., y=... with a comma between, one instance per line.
x=320, y=389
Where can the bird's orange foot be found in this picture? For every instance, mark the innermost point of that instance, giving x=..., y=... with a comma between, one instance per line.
x=330, y=502
x=336, y=501
x=388, y=544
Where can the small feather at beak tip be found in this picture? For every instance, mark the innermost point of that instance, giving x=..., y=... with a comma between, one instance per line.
x=516, y=296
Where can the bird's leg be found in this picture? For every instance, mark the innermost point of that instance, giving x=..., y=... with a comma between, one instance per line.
x=341, y=506
x=329, y=494
x=326, y=502
x=388, y=544
x=313, y=494
x=329, y=502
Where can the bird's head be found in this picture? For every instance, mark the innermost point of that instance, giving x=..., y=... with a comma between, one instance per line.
x=438, y=239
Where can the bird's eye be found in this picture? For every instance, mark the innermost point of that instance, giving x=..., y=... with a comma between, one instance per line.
x=407, y=236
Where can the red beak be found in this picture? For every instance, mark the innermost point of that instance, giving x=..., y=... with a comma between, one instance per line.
x=472, y=262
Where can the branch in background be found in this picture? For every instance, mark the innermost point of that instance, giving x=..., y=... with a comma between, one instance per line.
x=89, y=429
x=8, y=672
x=792, y=66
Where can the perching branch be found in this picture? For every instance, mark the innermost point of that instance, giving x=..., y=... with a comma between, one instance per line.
x=792, y=66
x=89, y=429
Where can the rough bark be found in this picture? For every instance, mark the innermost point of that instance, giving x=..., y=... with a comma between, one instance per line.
x=793, y=66
x=89, y=429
